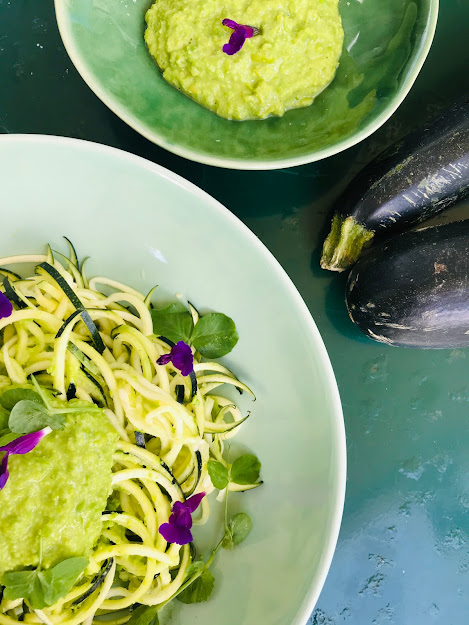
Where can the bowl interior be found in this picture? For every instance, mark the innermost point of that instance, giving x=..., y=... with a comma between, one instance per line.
x=385, y=44
x=143, y=225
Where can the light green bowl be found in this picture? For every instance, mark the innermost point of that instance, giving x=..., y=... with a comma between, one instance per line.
x=143, y=225
x=386, y=43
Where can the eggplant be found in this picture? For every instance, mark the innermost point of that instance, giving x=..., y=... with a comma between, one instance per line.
x=413, y=180
x=413, y=289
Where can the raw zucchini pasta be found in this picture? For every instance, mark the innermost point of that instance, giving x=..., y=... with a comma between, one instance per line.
x=92, y=342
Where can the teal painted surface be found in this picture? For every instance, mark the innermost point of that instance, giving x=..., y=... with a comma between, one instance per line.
x=402, y=556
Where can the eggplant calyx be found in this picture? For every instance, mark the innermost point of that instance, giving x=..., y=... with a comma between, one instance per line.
x=344, y=243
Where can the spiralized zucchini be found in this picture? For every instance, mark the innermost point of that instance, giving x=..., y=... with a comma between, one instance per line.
x=46, y=336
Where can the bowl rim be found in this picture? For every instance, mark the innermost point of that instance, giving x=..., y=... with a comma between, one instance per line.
x=242, y=164
x=338, y=427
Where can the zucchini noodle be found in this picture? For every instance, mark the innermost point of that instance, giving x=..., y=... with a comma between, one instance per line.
x=183, y=426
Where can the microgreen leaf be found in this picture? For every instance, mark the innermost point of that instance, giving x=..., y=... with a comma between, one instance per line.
x=43, y=588
x=8, y=438
x=23, y=585
x=237, y=530
x=28, y=416
x=218, y=474
x=200, y=589
x=12, y=396
x=240, y=526
x=173, y=321
x=4, y=415
x=144, y=615
x=245, y=470
x=214, y=335
x=227, y=542
x=194, y=567
x=58, y=581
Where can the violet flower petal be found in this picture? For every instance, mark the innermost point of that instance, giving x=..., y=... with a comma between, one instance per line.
x=164, y=359
x=181, y=517
x=249, y=31
x=193, y=502
x=172, y=534
x=182, y=358
x=230, y=23
x=4, y=474
x=236, y=42
x=26, y=443
x=6, y=307
x=22, y=445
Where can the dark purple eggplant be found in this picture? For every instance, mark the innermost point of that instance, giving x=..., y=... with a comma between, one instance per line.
x=413, y=289
x=413, y=180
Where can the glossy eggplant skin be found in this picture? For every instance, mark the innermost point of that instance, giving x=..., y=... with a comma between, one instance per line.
x=413, y=289
x=413, y=180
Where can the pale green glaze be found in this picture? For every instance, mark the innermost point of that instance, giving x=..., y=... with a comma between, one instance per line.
x=386, y=42
x=143, y=225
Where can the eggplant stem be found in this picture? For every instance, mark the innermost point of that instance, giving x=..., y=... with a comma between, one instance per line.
x=344, y=243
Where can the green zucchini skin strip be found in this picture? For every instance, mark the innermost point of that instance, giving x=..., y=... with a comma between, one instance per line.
x=96, y=582
x=9, y=274
x=11, y=293
x=68, y=320
x=75, y=301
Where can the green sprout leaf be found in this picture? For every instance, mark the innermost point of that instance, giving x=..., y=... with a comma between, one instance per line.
x=12, y=396
x=240, y=526
x=174, y=322
x=28, y=416
x=245, y=470
x=4, y=416
x=58, y=581
x=200, y=589
x=43, y=588
x=144, y=615
x=227, y=542
x=214, y=335
x=23, y=585
x=8, y=438
x=218, y=474
x=237, y=530
x=194, y=567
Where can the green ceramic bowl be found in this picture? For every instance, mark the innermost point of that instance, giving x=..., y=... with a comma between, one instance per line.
x=386, y=42
x=126, y=214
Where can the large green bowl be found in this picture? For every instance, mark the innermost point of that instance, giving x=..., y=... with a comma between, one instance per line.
x=386, y=42
x=141, y=224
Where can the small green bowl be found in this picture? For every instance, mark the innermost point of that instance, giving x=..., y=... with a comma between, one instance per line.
x=386, y=43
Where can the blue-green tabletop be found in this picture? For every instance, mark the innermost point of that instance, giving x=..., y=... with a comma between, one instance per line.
x=403, y=552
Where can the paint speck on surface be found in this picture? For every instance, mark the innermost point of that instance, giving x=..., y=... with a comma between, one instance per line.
x=461, y=396
x=320, y=618
x=385, y=616
x=412, y=468
x=455, y=355
x=376, y=370
x=372, y=585
x=433, y=610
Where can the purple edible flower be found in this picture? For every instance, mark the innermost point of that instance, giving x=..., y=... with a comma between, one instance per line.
x=181, y=357
x=6, y=307
x=241, y=32
x=178, y=529
x=19, y=446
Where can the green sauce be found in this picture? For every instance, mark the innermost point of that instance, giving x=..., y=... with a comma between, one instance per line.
x=293, y=59
x=56, y=494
